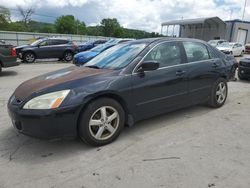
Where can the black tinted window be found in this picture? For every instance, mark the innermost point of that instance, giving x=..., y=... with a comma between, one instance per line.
x=196, y=51
x=58, y=42
x=167, y=54
x=45, y=43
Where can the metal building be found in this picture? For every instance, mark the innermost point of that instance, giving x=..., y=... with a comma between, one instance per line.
x=238, y=31
x=208, y=29
x=201, y=28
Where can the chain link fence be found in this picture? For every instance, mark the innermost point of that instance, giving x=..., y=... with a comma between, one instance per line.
x=22, y=38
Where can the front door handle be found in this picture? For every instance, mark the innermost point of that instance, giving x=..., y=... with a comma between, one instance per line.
x=215, y=65
x=180, y=73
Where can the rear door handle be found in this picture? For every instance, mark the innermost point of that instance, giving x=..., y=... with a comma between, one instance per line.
x=180, y=73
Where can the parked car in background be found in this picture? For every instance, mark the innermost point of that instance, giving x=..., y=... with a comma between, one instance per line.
x=247, y=48
x=8, y=57
x=244, y=69
x=83, y=57
x=47, y=48
x=235, y=49
x=89, y=45
x=215, y=43
x=124, y=84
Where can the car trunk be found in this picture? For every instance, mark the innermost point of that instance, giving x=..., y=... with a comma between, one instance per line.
x=7, y=50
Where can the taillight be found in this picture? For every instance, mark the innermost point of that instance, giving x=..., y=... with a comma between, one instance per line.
x=13, y=52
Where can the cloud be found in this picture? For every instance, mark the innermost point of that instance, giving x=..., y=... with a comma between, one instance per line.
x=138, y=14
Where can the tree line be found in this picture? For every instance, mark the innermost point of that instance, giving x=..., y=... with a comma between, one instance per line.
x=68, y=24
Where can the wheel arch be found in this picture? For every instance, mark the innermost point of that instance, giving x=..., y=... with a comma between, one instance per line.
x=29, y=51
x=128, y=118
x=68, y=50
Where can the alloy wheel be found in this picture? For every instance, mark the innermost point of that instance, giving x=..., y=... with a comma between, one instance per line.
x=30, y=57
x=104, y=123
x=221, y=92
x=68, y=56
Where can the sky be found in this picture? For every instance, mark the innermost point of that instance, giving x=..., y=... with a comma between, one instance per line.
x=135, y=14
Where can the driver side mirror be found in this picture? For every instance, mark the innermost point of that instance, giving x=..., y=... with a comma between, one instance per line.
x=148, y=66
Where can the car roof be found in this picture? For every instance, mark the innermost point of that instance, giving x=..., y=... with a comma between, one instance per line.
x=52, y=38
x=162, y=39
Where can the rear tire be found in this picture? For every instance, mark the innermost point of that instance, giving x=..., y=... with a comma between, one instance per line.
x=218, y=93
x=68, y=56
x=0, y=68
x=29, y=57
x=101, y=122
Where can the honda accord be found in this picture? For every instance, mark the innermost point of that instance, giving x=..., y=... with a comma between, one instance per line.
x=123, y=85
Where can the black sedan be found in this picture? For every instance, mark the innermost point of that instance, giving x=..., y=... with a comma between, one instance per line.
x=126, y=83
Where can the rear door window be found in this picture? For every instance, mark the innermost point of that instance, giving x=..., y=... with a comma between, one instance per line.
x=58, y=42
x=196, y=51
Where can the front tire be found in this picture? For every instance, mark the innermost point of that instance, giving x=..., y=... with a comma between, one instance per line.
x=218, y=93
x=101, y=122
x=29, y=57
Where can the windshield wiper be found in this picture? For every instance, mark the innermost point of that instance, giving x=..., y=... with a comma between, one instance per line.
x=93, y=66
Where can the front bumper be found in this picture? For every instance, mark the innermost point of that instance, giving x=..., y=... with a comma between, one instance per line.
x=77, y=62
x=47, y=124
x=244, y=71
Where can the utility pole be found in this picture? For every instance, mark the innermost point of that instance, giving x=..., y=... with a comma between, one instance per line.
x=231, y=14
x=244, y=9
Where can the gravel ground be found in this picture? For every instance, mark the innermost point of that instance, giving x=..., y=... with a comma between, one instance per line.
x=194, y=147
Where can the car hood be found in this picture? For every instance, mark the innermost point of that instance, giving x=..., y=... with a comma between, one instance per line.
x=43, y=82
x=21, y=47
x=86, y=55
x=224, y=48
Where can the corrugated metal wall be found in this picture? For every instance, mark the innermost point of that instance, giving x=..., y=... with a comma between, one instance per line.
x=21, y=38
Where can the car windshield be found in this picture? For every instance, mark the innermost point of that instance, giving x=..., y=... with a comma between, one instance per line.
x=36, y=42
x=112, y=41
x=116, y=57
x=99, y=48
x=225, y=44
x=213, y=42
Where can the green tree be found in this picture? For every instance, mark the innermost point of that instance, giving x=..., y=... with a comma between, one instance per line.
x=4, y=17
x=69, y=25
x=111, y=27
x=65, y=24
x=16, y=26
x=81, y=28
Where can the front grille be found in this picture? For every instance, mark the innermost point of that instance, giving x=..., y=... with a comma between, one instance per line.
x=245, y=63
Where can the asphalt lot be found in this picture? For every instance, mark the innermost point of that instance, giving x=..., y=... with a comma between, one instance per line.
x=191, y=148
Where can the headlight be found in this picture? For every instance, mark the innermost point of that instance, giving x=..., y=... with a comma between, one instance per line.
x=47, y=101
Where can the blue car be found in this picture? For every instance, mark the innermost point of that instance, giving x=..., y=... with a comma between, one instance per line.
x=89, y=45
x=83, y=57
